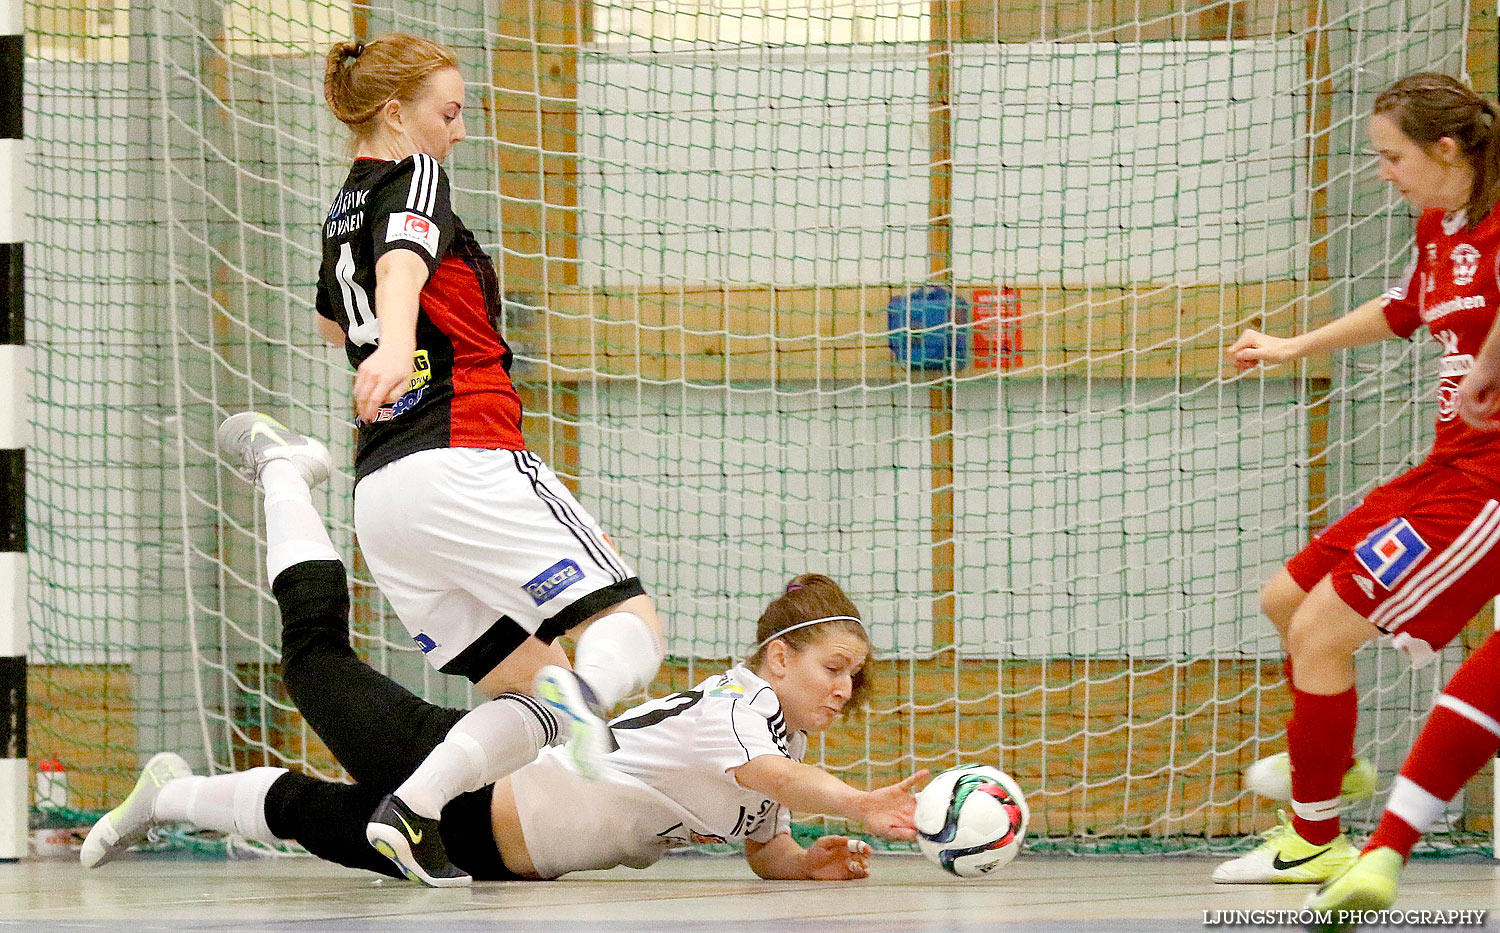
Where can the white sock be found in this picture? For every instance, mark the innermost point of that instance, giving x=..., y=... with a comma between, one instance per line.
x=230, y=803
x=617, y=655
x=491, y=741
x=294, y=529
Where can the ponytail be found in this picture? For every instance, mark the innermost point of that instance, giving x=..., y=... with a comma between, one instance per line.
x=360, y=78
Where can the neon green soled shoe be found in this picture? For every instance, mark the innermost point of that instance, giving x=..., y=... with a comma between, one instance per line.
x=1287, y=858
x=1272, y=777
x=1368, y=884
x=127, y=824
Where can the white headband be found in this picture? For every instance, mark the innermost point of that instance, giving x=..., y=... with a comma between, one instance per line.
x=793, y=628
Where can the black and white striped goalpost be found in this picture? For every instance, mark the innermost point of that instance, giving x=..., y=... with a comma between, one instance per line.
x=14, y=386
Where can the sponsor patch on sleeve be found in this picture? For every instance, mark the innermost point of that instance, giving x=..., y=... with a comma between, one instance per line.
x=553, y=580
x=1391, y=551
x=415, y=228
x=424, y=641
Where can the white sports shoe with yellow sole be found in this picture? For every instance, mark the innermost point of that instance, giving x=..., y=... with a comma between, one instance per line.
x=1287, y=858
x=127, y=824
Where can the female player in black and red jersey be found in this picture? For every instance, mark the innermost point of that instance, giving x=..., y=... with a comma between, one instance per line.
x=1417, y=558
x=483, y=553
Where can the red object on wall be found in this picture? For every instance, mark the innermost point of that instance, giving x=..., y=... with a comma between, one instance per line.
x=996, y=316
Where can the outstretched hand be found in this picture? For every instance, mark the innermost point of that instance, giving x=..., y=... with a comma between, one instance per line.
x=838, y=858
x=1254, y=347
x=891, y=811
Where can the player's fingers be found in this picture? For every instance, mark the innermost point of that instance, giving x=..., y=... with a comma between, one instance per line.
x=859, y=847
x=920, y=775
x=396, y=389
x=1246, y=339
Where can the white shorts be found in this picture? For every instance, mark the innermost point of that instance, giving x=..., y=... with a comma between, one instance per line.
x=478, y=549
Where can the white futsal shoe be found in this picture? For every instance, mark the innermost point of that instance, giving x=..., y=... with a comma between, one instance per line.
x=127, y=824
x=250, y=440
x=1286, y=858
x=1272, y=777
x=590, y=739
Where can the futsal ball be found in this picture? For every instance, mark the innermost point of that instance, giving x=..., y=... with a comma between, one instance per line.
x=971, y=820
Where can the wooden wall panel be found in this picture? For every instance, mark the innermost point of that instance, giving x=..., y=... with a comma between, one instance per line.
x=84, y=716
x=714, y=335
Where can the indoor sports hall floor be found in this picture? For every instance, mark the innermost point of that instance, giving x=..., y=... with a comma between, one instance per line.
x=679, y=893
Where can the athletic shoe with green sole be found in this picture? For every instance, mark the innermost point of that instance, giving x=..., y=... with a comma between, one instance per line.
x=412, y=841
x=127, y=824
x=1287, y=858
x=585, y=718
x=1368, y=884
x=1272, y=777
x=250, y=440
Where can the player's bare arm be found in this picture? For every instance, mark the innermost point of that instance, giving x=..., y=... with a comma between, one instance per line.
x=887, y=811
x=332, y=334
x=1365, y=324
x=382, y=379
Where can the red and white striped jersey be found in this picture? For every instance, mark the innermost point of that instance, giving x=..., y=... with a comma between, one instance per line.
x=1453, y=286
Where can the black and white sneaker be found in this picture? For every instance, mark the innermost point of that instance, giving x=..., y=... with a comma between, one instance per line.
x=581, y=713
x=413, y=843
x=250, y=440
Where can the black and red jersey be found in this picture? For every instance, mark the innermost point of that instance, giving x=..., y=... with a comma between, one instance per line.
x=1453, y=286
x=460, y=393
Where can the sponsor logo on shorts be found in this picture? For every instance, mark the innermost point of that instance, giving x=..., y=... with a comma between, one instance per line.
x=424, y=641
x=553, y=580
x=1391, y=551
x=414, y=228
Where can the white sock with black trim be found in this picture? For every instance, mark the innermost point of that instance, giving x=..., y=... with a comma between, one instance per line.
x=490, y=742
x=617, y=656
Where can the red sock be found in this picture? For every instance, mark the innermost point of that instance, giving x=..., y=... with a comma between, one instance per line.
x=1320, y=738
x=1461, y=734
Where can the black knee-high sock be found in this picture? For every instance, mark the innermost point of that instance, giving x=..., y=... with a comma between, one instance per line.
x=377, y=729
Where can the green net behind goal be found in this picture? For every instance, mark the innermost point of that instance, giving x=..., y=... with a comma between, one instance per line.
x=928, y=297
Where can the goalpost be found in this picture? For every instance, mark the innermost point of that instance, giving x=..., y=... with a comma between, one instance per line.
x=1036, y=476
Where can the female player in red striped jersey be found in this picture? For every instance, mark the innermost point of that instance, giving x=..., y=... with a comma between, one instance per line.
x=1462, y=733
x=1418, y=557
x=485, y=556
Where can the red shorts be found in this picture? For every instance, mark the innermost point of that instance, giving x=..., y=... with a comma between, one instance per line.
x=1417, y=557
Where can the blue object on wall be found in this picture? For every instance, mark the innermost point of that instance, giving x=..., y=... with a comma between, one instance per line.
x=929, y=328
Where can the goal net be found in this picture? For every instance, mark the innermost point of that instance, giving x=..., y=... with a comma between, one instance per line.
x=929, y=297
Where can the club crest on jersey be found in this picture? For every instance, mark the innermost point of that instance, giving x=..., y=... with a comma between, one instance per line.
x=553, y=580
x=1465, y=263
x=415, y=228
x=1391, y=551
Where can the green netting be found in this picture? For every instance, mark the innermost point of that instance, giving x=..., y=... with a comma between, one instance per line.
x=1055, y=522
